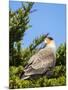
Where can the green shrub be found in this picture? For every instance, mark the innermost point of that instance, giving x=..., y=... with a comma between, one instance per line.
x=61, y=55
x=58, y=77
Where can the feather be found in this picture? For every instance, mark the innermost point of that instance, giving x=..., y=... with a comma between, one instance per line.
x=41, y=61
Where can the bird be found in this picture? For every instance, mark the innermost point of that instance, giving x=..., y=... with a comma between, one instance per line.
x=40, y=62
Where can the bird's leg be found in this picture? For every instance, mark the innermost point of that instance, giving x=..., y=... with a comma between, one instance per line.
x=49, y=72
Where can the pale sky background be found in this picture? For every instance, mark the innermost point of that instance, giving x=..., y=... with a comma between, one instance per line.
x=48, y=18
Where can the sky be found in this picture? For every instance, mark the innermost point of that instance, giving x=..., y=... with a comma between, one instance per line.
x=49, y=18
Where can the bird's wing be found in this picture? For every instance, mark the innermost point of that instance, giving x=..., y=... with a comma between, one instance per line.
x=31, y=60
x=43, y=59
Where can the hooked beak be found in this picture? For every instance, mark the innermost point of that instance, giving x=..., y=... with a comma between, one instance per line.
x=44, y=43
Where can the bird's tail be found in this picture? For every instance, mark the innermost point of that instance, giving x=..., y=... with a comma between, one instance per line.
x=23, y=76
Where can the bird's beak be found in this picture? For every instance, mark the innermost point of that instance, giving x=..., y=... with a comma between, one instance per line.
x=45, y=43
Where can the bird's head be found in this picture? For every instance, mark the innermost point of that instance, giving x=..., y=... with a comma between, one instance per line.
x=49, y=41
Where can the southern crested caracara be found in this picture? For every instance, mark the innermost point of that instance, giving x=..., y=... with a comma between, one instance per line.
x=41, y=61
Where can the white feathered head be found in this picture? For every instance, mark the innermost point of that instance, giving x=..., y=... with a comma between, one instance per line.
x=49, y=41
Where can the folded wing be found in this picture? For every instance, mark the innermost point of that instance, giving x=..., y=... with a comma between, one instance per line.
x=44, y=59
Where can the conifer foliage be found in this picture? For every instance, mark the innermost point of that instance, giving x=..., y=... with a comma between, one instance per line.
x=18, y=56
x=18, y=24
